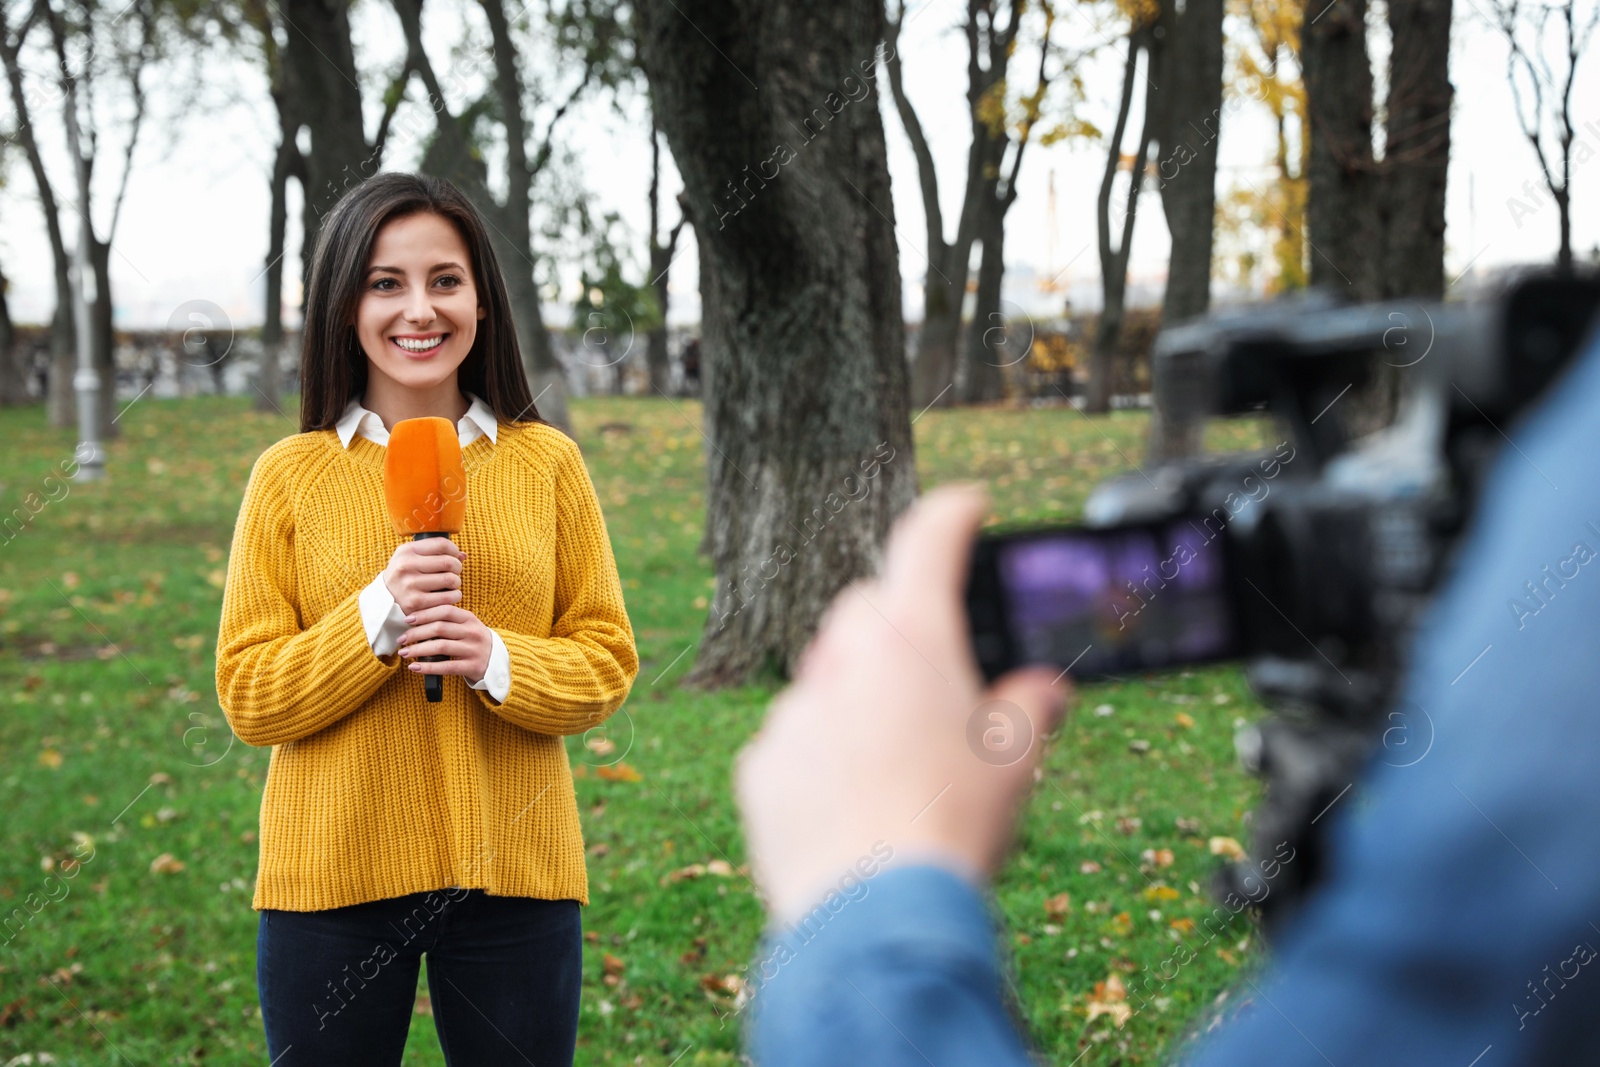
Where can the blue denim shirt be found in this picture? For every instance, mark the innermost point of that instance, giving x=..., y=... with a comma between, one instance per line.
x=1460, y=920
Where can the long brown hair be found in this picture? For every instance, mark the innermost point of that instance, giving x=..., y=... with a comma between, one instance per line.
x=333, y=367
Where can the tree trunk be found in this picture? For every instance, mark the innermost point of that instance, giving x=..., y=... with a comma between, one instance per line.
x=993, y=343
x=13, y=382
x=271, y=376
x=1114, y=258
x=1189, y=103
x=1416, y=155
x=934, y=372
x=545, y=376
x=60, y=399
x=321, y=67
x=657, y=361
x=1341, y=216
x=805, y=413
x=103, y=340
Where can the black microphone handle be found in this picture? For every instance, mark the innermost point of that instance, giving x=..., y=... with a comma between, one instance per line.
x=432, y=684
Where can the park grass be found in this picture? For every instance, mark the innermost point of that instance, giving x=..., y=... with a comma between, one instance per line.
x=112, y=748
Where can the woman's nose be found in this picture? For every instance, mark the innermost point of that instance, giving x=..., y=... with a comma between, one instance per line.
x=419, y=306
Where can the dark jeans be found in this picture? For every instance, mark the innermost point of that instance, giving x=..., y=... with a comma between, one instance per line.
x=504, y=973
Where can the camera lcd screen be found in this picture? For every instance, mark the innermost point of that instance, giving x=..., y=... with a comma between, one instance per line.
x=1118, y=600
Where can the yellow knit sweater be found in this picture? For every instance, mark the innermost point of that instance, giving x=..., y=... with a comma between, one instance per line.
x=373, y=792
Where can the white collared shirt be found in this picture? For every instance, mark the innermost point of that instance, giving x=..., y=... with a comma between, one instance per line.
x=380, y=615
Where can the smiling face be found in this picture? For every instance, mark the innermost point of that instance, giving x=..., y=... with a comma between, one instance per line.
x=418, y=314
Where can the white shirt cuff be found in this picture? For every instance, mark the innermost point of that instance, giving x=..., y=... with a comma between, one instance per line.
x=382, y=618
x=497, y=679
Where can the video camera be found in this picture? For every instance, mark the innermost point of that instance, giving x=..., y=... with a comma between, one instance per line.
x=1312, y=562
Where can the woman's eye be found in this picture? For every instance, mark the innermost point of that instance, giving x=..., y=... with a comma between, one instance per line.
x=379, y=283
x=452, y=279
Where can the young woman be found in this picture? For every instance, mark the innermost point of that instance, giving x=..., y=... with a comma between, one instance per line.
x=393, y=828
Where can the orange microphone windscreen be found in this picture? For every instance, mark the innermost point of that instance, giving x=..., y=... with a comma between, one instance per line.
x=423, y=480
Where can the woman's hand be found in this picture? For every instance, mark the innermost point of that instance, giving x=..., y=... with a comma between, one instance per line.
x=424, y=577
x=447, y=630
x=424, y=574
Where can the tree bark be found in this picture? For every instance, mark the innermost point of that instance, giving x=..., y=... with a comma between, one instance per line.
x=809, y=449
x=1416, y=157
x=1188, y=102
x=1340, y=211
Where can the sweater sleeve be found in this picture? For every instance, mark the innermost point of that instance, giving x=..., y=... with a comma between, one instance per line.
x=278, y=681
x=580, y=674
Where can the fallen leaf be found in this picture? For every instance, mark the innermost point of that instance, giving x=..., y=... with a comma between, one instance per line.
x=1110, y=998
x=1161, y=892
x=1129, y=824
x=611, y=964
x=601, y=746
x=619, y=772
x=1226, y=847
x=599, y=850
x=165, y=864
x=1057, y=906
x=1159, y=857
x=730, y=984
x=423, y=1006
x=1184, y=719
x=1089, y=867
x=694, y=870
x=1183, y=926
x=50, y=758
x=720, y=868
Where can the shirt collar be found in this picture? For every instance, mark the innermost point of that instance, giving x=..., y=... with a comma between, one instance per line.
x=356, y=417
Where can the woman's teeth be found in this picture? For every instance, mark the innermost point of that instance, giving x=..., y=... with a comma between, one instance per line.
x=414, y=345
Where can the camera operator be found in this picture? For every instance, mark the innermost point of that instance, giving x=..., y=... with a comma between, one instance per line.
x=1462, y=899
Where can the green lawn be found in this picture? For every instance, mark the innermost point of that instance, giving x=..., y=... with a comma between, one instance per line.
x=114, y=750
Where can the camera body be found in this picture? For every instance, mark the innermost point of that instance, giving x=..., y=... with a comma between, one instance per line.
x=1334, y=545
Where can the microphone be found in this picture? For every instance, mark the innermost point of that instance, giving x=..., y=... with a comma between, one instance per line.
x=425, y=487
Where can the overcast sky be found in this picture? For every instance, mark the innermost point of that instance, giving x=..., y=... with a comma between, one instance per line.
x=194, y=222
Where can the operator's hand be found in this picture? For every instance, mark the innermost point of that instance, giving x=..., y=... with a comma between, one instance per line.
x=887, y=736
